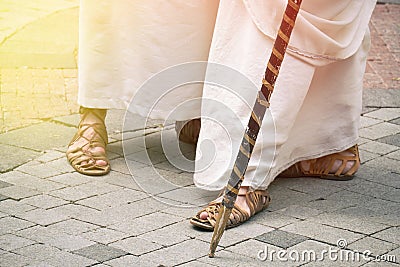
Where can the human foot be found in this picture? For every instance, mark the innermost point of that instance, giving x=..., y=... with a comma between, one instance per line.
x=86, y=151
x=248, y=203
x=337, y=166
x=188, y=131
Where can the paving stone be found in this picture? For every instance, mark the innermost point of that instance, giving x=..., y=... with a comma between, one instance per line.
x=32, y=182
x=151, y=182
x=281, y=238
x=380, y=130
x=100, y=252
x=11, y=224
x=299, y=212
x=378, y=148
x=172, y=234
x=198, y=263
x=226, y=258
x=3, y=197
x=376, y=190
x=74, y=211
x=43, y=217
x=251, y=248
x=321, y=232
x=47, y=135
x=361, y=141
x=177, y=254
x=375, y=246
x=124, y=213
x=366, y=121
x=238, y=234
x=15, y=260
x=10, y=242
x=348, y=221
x=284, y=197
x=378, y=175
x=18, y=192
x=367, y=156
x=395, y=121
x=54, y=256
x=104, y=235
x=49, y=155
x=394, y=155
x=68, y=242
x=391, y=140
x=71, y=179
x=120, y=179
x=372, y=215
x=4, y=184
x=60, y=164
x=385, y=114
x=69, y=120
x=181, y=211
x=136, y=245
x=390, y=235
x=43, y=201
x=381, y=98
x=12, y=156
x=84, y=191
x=190, y=195
x=274, y=219
x=113, y=199
x=37, y=233
x=72, y=226
x=128, y=260
x=145, y=223
x=13, y=207
x=381, y=207
x=41, y=170
x=126, y=147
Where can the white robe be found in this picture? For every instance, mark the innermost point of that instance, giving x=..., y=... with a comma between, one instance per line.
x=314, y=109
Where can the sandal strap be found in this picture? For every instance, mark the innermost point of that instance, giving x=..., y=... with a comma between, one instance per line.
x=99, y=139
x=256, y=200
x=321, y=167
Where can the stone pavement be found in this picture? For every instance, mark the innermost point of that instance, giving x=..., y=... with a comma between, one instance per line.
x=52, y=216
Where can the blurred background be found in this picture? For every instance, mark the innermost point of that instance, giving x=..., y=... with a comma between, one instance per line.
x=38, y=60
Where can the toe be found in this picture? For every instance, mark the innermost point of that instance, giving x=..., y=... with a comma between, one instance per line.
x=204, y=215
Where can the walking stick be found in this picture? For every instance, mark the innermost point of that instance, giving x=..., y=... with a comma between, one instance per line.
x=260, y=106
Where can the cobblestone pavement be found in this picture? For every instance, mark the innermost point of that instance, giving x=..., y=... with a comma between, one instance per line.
x=52, y=216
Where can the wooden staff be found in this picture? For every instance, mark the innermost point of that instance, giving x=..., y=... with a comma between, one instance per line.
x=254, y=124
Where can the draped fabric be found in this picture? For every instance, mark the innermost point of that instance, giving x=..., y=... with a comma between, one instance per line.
x=314, y=109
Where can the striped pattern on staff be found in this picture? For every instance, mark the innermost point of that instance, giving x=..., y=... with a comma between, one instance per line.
x=262, y=103
x=254, y=124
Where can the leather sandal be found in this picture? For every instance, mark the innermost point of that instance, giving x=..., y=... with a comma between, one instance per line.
x=80, y=158
x=188, y=131
x=321, y=167
x=256, y=200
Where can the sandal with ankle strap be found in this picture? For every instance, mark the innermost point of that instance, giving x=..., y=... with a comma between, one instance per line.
x=188, y=131
x=256, y=200
x=321, y=167
x=77, y=156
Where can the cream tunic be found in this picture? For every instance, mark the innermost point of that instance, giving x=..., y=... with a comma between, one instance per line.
x=316, y=104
